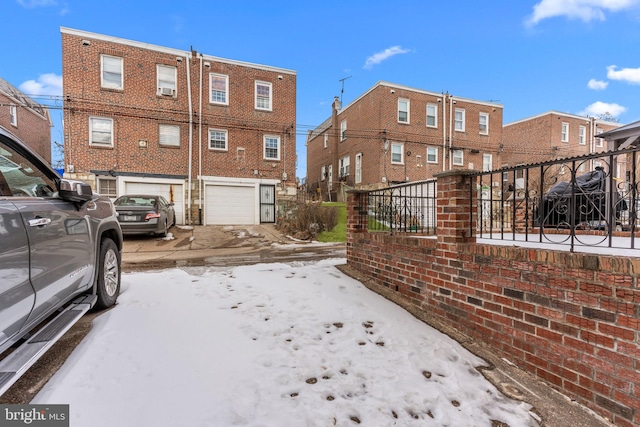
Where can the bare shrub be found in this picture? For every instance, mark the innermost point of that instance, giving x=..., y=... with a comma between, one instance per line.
x=305, y=220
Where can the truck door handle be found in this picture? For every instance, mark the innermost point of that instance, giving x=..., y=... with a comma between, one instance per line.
x=39, y=222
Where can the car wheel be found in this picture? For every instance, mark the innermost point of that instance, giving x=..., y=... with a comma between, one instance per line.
x=165, y=228
x=108, y=280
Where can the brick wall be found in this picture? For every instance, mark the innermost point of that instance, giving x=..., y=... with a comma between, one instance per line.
x=569, y=318
x=33, y=128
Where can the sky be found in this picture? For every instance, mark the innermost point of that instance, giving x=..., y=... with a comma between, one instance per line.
x=532, y=56
x=270, y=345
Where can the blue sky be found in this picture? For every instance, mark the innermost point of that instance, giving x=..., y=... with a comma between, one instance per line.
x=532, y=56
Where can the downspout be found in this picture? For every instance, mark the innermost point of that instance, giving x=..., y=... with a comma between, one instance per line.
x=450, y=132
x=444, y=131
x=591, y=139
x=200, y=186
x=190, y=136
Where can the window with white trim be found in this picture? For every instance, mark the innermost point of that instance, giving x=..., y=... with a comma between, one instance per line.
x=323, y=173
x=13, y=115
x=487, y=162
x=403, y=110
x=343, y=130
x=263, y=95
x=459, y=120
x=484, y=123
x=219, y=89
x=271, y=147
x=358, y=168
x=218, y=139
x=330, y=177
x=397, y=153
x=169, y=135
x=111, y=72
x=458, y=157
x=599, y=141
x=344, y=165
x=326, y=139
x=101, y=131
x=166, y=80
x=432, y=115
x=564, y=135
x=432, y=155
x=582, y=135
x=107, y=187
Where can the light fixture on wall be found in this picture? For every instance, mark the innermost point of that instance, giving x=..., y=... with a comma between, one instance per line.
x=207, y=64
x=179, y=58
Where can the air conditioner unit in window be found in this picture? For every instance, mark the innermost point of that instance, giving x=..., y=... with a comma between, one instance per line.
x=167, y=91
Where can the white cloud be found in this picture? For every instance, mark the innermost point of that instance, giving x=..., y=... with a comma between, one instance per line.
x=597, y=84
x=585, y=10
x=629, y=75
x=377, y=58
x=49, y=84
x=37, y=3
x=599, y=107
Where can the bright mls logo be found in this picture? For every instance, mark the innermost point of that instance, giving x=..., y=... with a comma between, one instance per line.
x=34, y=415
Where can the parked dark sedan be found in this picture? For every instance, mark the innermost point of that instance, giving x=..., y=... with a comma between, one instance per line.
x=144, y=214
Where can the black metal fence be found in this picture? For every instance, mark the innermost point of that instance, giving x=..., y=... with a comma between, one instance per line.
x=408, y=208
x=590, y=200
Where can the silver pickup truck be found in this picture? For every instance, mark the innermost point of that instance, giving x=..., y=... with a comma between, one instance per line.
x=60, y=251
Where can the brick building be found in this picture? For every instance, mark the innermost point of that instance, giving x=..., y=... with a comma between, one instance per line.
x=553, y=135
x=393, y=133
x=26, y=119
x=215, y=136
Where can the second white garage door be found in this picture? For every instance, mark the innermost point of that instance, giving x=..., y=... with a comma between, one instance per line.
x=168, y=191
x=230, y=205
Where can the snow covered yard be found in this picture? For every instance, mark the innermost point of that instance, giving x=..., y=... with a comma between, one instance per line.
x=279, y=345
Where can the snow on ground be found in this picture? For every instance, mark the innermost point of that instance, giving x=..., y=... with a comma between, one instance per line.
x=277, y=345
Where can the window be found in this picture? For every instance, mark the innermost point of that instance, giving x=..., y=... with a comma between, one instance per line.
x=487, y=162
x=397, y=153
x=330, y=177
x=343, y=130
x=101, y=131
x=564, y=137
x=13, y=115
x=458, y=157
x=403, y=110
x=169, y=135
x=111, y=72
x=263, y=96
x=459, y=120
x=432, y=115
x=582, y=135
x=326, y=139
x=358, y=168
x=166, y=80
x=323, y=173
x=107, y=187
x=218, y=139
x=432, y=155
x=272, y=147
x=219, y=84
x=484, y=123
x=344, y=166
x=599, y=141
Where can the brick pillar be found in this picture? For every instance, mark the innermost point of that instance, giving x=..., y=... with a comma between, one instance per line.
x=456, y=212
x=357, y=217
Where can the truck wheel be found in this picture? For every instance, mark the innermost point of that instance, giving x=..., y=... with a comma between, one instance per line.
x=108, y=280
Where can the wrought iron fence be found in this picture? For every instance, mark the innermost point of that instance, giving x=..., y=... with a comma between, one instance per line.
x=409, y=208
x=590, y=200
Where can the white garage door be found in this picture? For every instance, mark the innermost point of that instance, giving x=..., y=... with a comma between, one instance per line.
x=230, y=205
x=171, y=192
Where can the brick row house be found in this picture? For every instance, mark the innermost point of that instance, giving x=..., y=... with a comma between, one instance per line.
x=393, y=134
x=554, y=135
x=214, y=136
x=26, y=119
